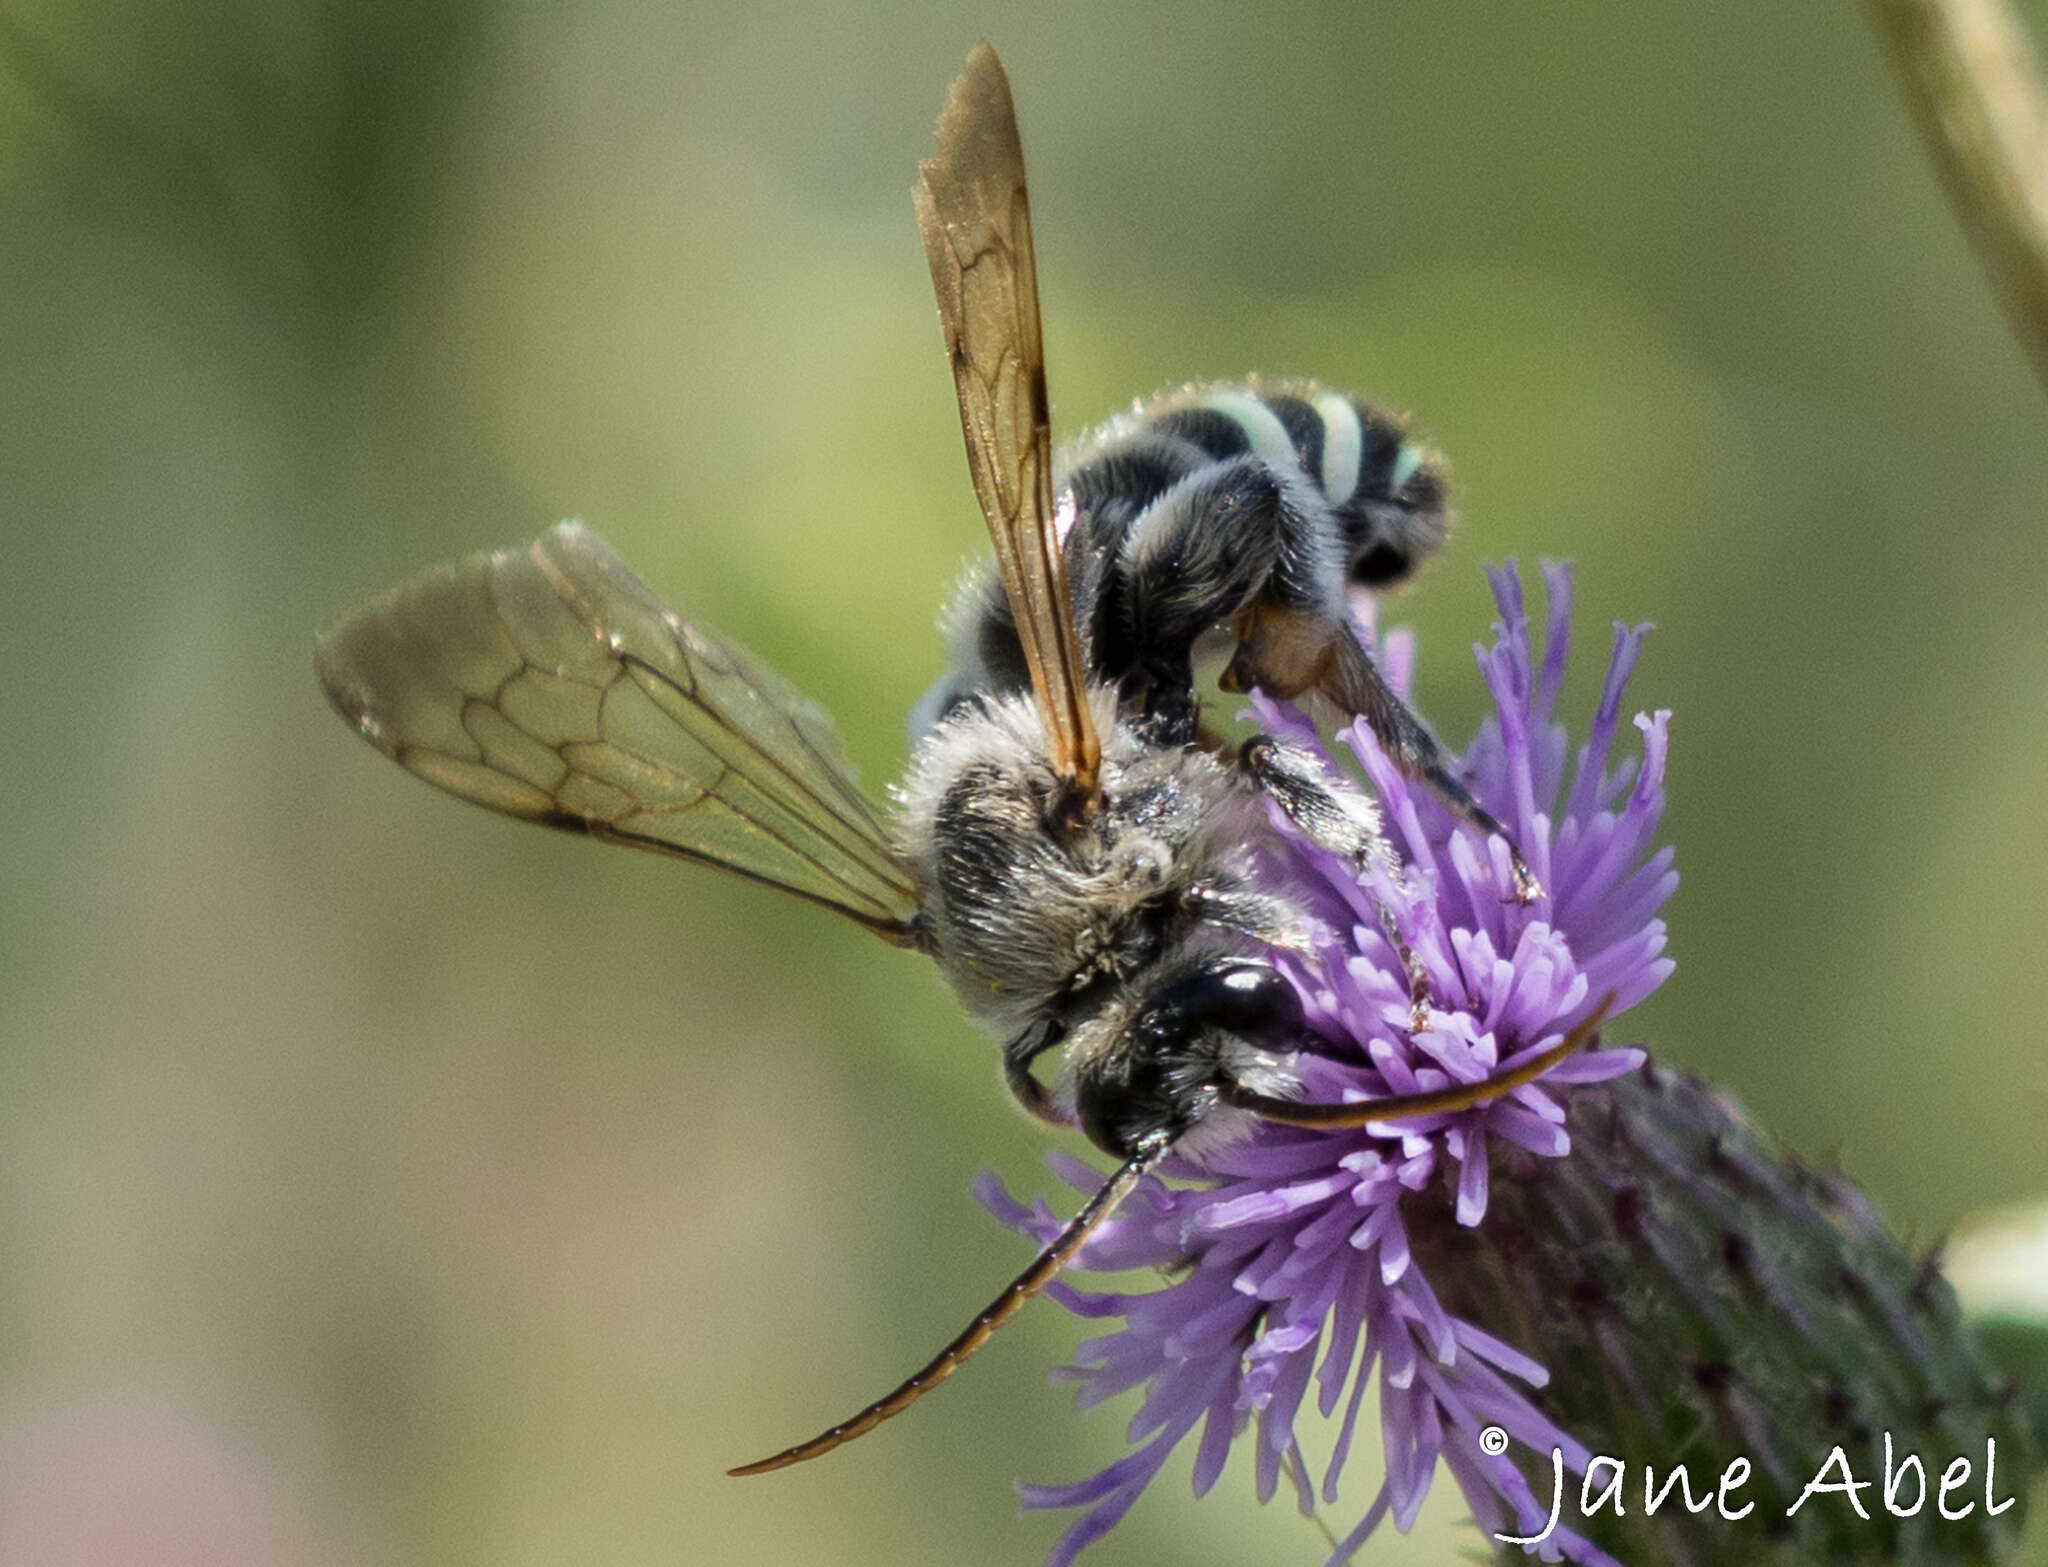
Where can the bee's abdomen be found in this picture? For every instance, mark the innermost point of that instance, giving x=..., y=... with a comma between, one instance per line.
x=1197, y=506
x=1384, y=488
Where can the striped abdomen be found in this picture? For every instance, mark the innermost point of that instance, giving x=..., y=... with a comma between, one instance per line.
x=1385, y=490
x=1252, y=504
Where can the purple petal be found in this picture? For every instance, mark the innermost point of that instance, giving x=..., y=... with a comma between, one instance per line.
x=1557, y=637
x=1472, y=1183
x=1348, y=1547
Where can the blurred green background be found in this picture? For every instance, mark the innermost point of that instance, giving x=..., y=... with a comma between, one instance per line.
x=383, y=1183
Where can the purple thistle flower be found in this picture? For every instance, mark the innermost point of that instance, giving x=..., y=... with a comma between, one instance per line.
x=1291, y=1262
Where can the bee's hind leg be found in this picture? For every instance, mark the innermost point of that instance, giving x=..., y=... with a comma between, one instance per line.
x=1036, y=1100
x=1354, y=683
x=1190, y=560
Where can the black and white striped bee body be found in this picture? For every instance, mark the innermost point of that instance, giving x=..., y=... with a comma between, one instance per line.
x=1257, y=504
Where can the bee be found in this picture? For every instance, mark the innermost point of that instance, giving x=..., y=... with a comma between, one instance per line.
x=1083, y=883
x=1264, y=505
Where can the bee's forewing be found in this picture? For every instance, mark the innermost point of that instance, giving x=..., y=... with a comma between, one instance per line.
x=549, y=683
x=976, y=221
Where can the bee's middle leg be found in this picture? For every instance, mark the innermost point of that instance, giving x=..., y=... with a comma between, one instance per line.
x=1342, y=820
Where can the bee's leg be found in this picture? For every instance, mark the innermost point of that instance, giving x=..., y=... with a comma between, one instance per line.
x=1285, y=633
x=1194, y=557
x=1355, y=684
x=1420, y=996
x=1216, y=743
x=1164, y=686
x=1027, y=1090
x=1273, y=921
x=1281, y=649
x=1328, y=812
x=1335, y=817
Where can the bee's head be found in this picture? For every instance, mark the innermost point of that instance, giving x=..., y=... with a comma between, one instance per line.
x=1157, y=1064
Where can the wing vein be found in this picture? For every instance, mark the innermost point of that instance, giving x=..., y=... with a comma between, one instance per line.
x=555, y=663
x=975, y=214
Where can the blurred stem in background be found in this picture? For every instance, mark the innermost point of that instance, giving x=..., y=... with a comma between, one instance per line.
x=1971, y=81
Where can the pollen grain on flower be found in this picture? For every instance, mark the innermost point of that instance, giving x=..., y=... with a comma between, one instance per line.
x=1290, y=1268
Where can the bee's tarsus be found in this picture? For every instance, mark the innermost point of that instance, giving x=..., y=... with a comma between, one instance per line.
x=1527, y=888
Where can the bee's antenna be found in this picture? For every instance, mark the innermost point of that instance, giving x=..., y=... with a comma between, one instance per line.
x=1435, y=1101
x=978, y=1332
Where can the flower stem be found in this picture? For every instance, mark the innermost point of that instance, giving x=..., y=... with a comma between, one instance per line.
x=1968, y=73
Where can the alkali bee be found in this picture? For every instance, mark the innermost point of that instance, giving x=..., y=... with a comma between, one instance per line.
x=1071, y=855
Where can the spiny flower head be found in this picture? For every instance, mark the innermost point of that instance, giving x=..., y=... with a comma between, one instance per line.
x=1288, y=1257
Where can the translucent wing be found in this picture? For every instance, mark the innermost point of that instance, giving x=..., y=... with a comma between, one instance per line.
x=549, y=683
x=976, y=221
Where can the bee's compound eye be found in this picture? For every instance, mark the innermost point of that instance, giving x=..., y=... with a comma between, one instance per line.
x=1252, y=999
x=1248, y=999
